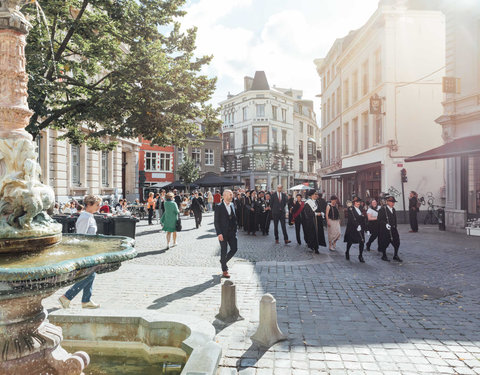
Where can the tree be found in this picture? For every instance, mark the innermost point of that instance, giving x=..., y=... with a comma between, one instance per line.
x=188, y=171
x=117, y=68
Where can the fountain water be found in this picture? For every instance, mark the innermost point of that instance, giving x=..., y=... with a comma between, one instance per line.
x=33, y=261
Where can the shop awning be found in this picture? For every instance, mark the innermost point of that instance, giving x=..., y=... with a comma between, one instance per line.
x=351, y=170
x=458, y=147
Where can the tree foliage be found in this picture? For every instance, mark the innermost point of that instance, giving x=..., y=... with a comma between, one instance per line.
x=117, y=68
x=188, y=171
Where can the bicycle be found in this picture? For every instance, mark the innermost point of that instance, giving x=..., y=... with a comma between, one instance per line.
x=432, y=214
x=138, y=211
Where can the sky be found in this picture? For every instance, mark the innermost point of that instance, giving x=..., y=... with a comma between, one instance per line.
x=281, y=37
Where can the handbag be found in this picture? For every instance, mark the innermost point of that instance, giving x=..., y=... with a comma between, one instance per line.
x=178, y=225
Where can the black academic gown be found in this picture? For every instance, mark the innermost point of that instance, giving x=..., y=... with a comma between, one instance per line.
x=313, y=228
x=352, y=235
x=385, y=236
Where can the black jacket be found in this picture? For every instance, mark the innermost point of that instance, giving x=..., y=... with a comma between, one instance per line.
x=224, y=224
x=278, y=206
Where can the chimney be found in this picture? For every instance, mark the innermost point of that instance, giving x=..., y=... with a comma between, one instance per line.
x=247, y=83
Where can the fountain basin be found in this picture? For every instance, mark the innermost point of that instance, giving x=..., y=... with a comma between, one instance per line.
x=151, y=336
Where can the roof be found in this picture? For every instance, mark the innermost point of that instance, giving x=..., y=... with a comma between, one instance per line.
x=260, y=81
x=458, y=147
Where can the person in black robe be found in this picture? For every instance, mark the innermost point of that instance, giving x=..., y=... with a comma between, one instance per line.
x=297, y=216
x=387, y=232
x=238, y=203
x=260, y=212
x=197, y=207
x=252, y=224
x=268, y=213
x=290, y=204
x=355, y=231
x=246, y=211
x=413, y=209
x=313, y=223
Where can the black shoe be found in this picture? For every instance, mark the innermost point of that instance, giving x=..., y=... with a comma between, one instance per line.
x=397, y=258
x=385, y=258
x=317, y=252
x=347, y=256
x=368, y=247
x=360, y=258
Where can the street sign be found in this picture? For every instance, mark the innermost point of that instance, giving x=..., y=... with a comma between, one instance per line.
x=451, y=85
x=375, y=105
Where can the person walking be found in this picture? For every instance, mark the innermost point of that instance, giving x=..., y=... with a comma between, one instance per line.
x=85, y=224
x=150, y=207
x=372, y=227
x=355, y=231
x=412, y=211
x=197, y=206
x=388, y=233
x=279, y=201
x=268, y=212
x=210, y=201
x=297, y=216
x=217, y=198
x=225, y=221
x=332, y=216
x=313, y=223
x=290, y=203
x=169, y=218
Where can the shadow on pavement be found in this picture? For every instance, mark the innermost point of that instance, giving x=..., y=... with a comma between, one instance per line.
x=185, y=292
x=251, y=356
x=154, y=252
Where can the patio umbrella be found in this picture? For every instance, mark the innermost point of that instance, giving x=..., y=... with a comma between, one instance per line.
x=300, y=187
x=214, y=180
x=180, y=185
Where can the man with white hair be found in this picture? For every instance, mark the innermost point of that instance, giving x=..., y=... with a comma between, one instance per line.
x=226, y=227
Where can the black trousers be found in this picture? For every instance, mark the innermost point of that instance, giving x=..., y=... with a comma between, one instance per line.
x=298, y=224
x=413, y=220
x=225, y=255
x=150, y=215
x=276, y=219
x=198, y=217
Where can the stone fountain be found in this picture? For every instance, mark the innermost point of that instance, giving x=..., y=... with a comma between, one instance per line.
x=35, y=260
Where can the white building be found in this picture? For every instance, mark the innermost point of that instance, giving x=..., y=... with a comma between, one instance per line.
x=461, y=114
x=270, y=136
x=398, y=55
x=74, y=171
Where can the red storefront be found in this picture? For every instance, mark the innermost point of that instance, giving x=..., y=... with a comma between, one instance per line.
x=155, y=166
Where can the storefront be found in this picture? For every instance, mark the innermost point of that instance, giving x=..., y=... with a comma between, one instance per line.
x=462, y=178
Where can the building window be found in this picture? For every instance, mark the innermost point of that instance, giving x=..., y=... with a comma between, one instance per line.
x=355, y=135
x=301, y=127
x=311, y=166
x=244, y=138
x=310, y=148
x=181, y=155
x=300, y=166
x=209, y=157
x=157, y=161
x=365, y=130
x=75, y=164
x=196, y=156
x=378, y=130
x=345, y=94
x=104, y=168
x=260, y=135
x=355, y=87
x=345, y=139
x=233, y=118
x=378, y=67
x=339, y=143
x=300, y=149
x=274, y=112
x=284, y=115
x=332, y=145
x=284, y=140
x=260, y=110
x=339, y=101
x=244, y=112
x=328, y=110
x=365, y=78
x=328, y=151
x=228, y=141
x=333, y=105
x=275, y=138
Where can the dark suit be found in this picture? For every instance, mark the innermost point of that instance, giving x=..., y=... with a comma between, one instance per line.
x=412, y=213
x=278, y=213
x=387, y=236
x=226, y=225
x=197, y=207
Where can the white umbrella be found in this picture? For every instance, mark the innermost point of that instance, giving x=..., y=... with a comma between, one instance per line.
x=300, y=187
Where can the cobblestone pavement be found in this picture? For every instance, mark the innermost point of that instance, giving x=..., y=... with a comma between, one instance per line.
x=341, y=317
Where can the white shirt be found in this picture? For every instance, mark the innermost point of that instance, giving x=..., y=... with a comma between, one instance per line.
x=229, y=207
x=390, y=208
x=358, y=211
x=86, y=224
x=372, y=212
x=312, y=204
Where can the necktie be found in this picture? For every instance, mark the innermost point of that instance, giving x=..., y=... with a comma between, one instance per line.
x=279, y=199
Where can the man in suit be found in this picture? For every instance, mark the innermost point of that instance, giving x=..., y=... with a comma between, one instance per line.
x=278, y=202
x=226, y=227
x=412, y=211
x=388, y=233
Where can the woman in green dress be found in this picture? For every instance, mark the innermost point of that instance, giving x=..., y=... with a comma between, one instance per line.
x=169, y=219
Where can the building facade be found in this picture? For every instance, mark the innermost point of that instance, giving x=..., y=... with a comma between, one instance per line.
x=460, y=121
x=381, y=92
x=75, y=170
x=155, y=167
x=270, y=136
